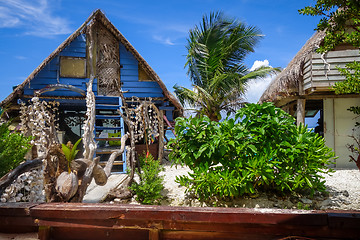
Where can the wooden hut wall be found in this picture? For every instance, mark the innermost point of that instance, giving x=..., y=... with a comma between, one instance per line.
x=50, y=74
x=316, y=71
x=129, y=76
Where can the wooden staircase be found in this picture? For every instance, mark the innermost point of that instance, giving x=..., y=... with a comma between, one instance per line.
x=108, y=121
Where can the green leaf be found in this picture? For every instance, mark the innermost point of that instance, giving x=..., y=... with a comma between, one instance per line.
x=74, y=151
x=253, y=148
x=67, y=151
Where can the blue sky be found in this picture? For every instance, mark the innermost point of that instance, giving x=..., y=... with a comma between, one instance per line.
x=31, y=29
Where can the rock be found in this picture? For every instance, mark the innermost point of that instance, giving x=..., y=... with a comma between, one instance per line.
x=345, y=193
x=326, y=203
x=99, y=175
x=305, y=200
x=257, y=206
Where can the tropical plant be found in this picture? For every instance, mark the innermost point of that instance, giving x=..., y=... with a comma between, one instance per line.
x=217, y=48
x=261, y=150
x=148, y=190
x=70, y=152
x=13, y=147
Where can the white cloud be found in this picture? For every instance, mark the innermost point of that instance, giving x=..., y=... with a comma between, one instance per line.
x=258, y=64
x=258, y=86
x=163, y=40
x=20, y=57
x=164, y=32
x=35, y=17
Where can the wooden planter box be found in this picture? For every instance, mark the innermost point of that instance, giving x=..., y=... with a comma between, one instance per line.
x=112, y=221
x=153, y=148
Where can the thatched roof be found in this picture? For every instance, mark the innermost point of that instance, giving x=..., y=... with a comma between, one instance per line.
x=286, y=83
x=97, y=15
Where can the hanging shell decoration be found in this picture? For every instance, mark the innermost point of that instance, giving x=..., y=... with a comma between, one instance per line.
x=35, y=119
x=145, y=116
x=28, y=187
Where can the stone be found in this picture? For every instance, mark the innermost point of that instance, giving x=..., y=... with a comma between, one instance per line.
x=345, y=193
x=306, y=200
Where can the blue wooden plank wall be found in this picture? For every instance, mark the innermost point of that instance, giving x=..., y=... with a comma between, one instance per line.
x=50, y=73
x=77, y=48
x=129, y=76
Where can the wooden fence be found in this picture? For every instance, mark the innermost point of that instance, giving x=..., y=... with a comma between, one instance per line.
x=106, y=221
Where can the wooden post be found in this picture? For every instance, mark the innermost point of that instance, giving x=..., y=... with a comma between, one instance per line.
x=44, y=232
x=154, y=234
x=161, y=135
x=300, y=112
x=300, y=108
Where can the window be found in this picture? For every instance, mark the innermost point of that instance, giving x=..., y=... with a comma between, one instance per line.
x=73, y=67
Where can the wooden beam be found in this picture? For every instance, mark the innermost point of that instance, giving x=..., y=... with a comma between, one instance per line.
x=161, y=135
x=300, y=109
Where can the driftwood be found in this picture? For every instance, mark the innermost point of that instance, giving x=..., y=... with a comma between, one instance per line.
x=115, y=154
x=29, y=165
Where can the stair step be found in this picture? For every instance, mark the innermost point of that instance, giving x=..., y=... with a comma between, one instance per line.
x=100, y=128
x=107, y=116
x=107, y=139
x=107, y=107
x=116, y=163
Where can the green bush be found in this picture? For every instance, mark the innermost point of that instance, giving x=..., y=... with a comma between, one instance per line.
x=13, y=147
x=151, y=184
x=260, y=150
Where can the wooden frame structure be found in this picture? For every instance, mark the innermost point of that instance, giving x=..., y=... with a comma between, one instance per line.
x=105, y=221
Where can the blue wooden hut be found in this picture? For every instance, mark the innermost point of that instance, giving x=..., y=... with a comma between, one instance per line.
x=117, y=66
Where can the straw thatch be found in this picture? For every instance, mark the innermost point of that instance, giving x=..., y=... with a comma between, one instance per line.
x=95, y=16
x=287, y=82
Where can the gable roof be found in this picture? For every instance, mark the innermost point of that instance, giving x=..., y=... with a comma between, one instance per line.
x=286, y=83
x=97, y=15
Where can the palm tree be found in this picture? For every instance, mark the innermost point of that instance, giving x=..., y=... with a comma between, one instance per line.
x=217, y=48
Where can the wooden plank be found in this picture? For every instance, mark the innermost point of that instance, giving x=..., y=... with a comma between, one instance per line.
x=73, y=54
x=46, y=74
x=127, y=78
x=336, y=60
x=143, y=95
x=142, y=84
x=332, y=72
x=129, y=66
x=130, y=72
x=15, y=218
x=71, y=233
x=59, y=93
x=325, y=67
x=329, y=78
x=338, y=54
x=141, y=89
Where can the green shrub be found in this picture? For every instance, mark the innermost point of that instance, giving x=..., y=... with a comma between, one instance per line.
x=260, y=150
x=151, y=184
x=13, y=147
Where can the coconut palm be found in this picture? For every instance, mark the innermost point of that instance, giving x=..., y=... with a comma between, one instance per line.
x=217, y=48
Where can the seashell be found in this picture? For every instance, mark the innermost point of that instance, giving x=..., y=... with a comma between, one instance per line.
x=20, y=195
x=3, y=200
x=27, y=188
x=24, y=198
x=17, y=199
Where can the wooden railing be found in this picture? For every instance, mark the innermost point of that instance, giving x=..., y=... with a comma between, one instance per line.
x=105, y=221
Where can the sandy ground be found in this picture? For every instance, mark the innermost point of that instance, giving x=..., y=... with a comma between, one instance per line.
x=24, y=236
x=343, y=188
